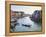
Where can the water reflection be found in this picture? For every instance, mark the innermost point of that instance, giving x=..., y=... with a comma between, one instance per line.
x=26, y=24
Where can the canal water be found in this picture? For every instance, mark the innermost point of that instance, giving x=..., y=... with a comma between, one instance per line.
x=27, y=21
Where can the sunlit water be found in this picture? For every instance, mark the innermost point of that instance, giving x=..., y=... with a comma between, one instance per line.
x=27, y=21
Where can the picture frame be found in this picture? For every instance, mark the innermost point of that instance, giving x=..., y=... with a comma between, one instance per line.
x=8, y=17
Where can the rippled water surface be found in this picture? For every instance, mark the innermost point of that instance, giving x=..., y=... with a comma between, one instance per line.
x=27, y=21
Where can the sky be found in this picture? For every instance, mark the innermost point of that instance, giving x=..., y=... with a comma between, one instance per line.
x=26, y=9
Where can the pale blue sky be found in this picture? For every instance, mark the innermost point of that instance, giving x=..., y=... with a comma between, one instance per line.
x=26, y=9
